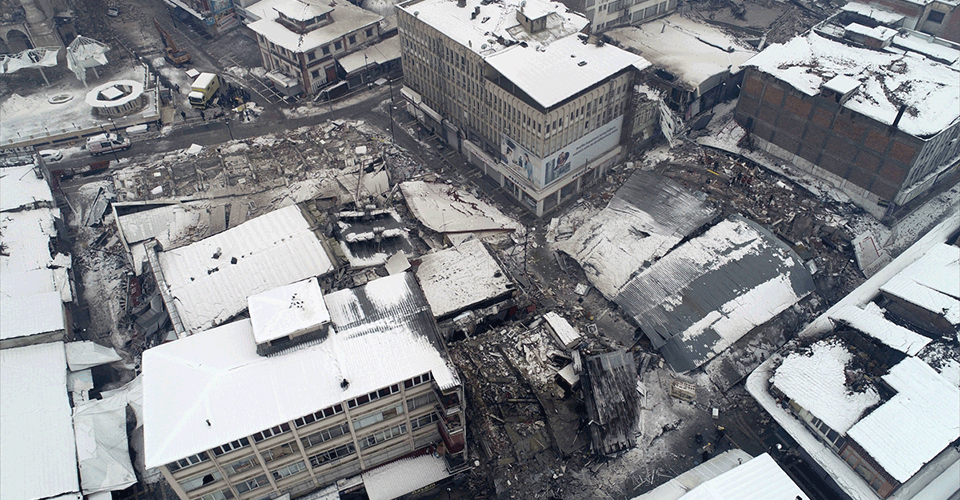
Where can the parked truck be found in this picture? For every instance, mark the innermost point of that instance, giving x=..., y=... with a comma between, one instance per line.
x=203, y=90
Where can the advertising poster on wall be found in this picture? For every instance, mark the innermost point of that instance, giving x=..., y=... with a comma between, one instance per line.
x=523, y=162
x=582, y=150
x=543, y=172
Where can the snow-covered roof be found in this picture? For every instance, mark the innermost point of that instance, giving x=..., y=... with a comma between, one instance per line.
x=301, y=10
x=693, y=51
x=102, y=447
x=457, y=278
x=878, y=32
x=758, y=479
x=648, y=215
x=842, y=84
x=287, y=310
x=680, y=485
x=553, y=72
x=20, y=187
x=816, y=380
x=212, y=278
x=347, y=18
x=873, y=12
x=379, y=53
x=875, y=325
x=447, y=209
x=196, y=379
x=917, y=42
x=930, y=90
x=24, y=316
x=85, y=354
x=931, y=282
x=26, y=237
x=712, y=290
x=38, y=453
x=565, y=332
x=481, y=34
x=915, y=425
x=396, y=479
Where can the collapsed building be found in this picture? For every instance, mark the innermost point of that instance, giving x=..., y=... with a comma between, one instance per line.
x=874, y=400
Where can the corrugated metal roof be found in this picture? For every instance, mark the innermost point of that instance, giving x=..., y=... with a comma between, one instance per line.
x=195, y=380
x=706, y=294
x=610, y=382
x=758, y=479
x=649, y=215
x=398, y=478
x=211, y=279
x=38, y=454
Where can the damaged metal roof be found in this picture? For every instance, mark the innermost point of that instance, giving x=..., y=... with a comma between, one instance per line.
x=649, y=215
x=709, y=292
x=610, y=385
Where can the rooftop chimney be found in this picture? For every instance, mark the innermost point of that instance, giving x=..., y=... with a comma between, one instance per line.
x=896, y=121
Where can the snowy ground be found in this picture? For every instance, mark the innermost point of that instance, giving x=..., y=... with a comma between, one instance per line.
x=29, y=114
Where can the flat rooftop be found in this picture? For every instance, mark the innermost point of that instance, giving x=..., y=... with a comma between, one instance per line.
x=552, y=72
x=195, y=380
x=495, y=20
x=929, y=89
x=693, y=51
x=347, y=18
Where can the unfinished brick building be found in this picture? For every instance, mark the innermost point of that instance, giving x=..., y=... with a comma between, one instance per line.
x=882, y=127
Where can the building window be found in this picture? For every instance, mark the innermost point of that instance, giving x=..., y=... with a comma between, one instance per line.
x=369, y=32
x=200, y=480
x=312, y=55
x=380, y=416
x=332, y=455
x=337, y=45
x=935, y=17
x=419, y=401
x=279, y=452
x=315, y=73
x=218, y=495
x=416, y=423
x=289, y=470
x=187, y=462
x=231, y=446
x=240, y=466
x=382, y=436
x=252, y=484
x=320, y=415
x=273, y=431
x=352, y=39
x=373, y=396
x=325, y=435
x=325, y=49
x=419, y=379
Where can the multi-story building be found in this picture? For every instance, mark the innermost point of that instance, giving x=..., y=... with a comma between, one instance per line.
x=532, y=101
x=880, y=123
x=605, y=14
x=311, y=389
x=301, y=40
x=940, y=18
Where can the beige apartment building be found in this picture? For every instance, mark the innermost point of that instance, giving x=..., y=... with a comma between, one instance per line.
x=305, y=394
x=520, y=90
x=301, y=40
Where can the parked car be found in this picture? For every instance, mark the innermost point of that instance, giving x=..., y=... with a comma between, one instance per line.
x=106, y=143
x=113, y=12
x=51, y=154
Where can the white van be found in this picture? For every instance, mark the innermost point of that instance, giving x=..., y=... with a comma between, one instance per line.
x=106, y=143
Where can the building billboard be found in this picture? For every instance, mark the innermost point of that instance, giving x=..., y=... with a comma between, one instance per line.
x=542, y=172
x=581, y=151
